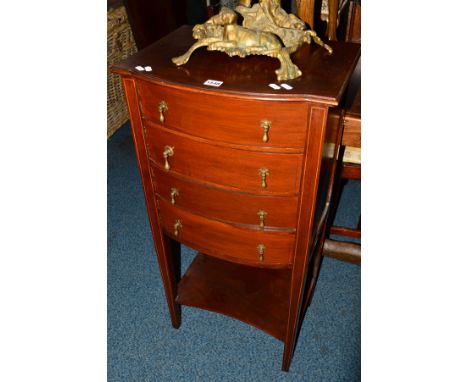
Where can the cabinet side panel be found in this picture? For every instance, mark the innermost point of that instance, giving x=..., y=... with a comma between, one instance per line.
x=330, y=151
x=167, y=262
x=328, y=168
x=308, y=192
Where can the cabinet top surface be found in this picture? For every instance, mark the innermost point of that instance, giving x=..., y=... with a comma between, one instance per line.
x=324, y=76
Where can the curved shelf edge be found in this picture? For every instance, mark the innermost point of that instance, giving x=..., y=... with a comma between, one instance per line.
x=256, y=296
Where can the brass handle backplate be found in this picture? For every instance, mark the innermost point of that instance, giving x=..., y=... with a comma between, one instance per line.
x=168, y=152
x=177, y=226
x=263, y=173
x=261, y=251
x=262, y=214
x=174, y=193
x=265, y=124
x=162, y=109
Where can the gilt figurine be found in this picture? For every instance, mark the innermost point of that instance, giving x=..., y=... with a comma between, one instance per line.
x=266, y=30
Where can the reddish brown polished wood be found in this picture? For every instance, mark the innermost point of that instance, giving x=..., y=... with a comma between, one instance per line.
x=206, y=116
x=305, y=11
x=351, y=171
x=264, y=277
x=344, y=251
x=166, y=258
x=151, y=20
x=343, y=231
x=219, y=204
x=332, y=23
x=353, y=27
x=351, y=121
x=324, y=77
x=227, y=241
x=226, y=167
x=227, y=288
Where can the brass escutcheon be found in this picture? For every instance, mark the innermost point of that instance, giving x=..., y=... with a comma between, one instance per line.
x=162, y=109
x=265, y=124
x=262, y=214
x=168, y=152
x=261, y=251
x=177, y=226
x=174, y=193
x=263, y=173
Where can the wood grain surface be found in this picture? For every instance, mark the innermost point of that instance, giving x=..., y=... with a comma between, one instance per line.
x=237, y=208
x=223, y=166
x=256, y=296
x=218, y=150
x=226, y=119
x=227, y=241
x=324, y=77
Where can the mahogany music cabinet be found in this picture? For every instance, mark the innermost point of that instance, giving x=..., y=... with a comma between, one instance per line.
x=240, y=172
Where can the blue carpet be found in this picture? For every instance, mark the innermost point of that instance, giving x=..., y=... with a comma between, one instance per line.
x=143, y=346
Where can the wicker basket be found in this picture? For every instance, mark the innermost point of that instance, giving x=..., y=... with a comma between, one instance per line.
x=120, y=44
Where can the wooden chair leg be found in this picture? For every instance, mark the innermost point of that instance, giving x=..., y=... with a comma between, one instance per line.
x=341, y=250
x=332, y=19
x=305, y=11
x=339, y=184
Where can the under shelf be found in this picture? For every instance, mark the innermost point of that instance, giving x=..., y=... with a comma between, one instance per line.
x=257, y=296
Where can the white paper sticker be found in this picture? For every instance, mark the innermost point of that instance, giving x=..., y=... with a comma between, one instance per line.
x=140, y=68
x=274, y=86
x=286, y=86
x=148, y=68
x=213, y=83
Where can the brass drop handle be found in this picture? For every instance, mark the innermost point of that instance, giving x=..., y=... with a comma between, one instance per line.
x=174, y=193
x=263, y=173
x=265, y=124
x=177, y=226
x=261, y=214
x=168, y=152
x=162, y=109
x=261, y=251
